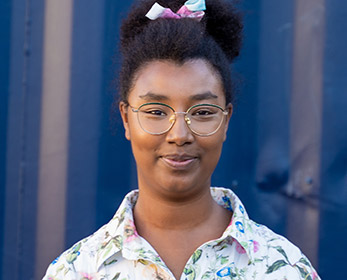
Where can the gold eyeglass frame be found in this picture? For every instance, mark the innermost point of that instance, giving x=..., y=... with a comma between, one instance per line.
x=173, y=118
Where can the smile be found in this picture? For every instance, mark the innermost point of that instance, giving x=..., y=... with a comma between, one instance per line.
x=179, y=162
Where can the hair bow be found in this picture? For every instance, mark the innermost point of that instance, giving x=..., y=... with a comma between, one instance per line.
x=191, y=9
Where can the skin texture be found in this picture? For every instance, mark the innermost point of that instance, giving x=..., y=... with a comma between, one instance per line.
x=174, y=169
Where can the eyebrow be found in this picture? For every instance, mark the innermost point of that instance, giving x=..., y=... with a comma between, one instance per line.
x=204, y=96
x=150, y=96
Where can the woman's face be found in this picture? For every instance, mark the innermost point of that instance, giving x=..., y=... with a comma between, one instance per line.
x=178, y=163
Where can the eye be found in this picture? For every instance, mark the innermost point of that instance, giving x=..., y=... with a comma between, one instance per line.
x=150, y=111
x=203, y=112
x=155, y=112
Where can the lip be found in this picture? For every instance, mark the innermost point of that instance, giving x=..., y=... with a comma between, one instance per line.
x=178, y=161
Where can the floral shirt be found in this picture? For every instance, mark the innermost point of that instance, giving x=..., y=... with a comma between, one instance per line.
x=246, y=250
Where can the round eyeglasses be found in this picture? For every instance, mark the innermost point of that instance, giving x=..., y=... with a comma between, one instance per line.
x=158, y=118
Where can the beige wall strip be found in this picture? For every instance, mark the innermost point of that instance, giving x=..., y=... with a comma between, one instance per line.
x=54, y=133
x=306, y=122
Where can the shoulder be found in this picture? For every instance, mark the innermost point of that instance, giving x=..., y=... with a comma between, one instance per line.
x=77, y=261
x=272, y=256
x=84, y=258
x=277, y=256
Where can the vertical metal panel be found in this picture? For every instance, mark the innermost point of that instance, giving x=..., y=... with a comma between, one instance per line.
x=5, y=11
x=31, y=134
x=22, y=139
x=333, y=190
x=275, y=68
x=54, y=133
x=116, y=169
x=5, y=27
x=306, y=116
x=85, y=99
x=13, y=185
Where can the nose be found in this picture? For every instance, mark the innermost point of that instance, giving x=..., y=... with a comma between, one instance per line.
x=180, y=133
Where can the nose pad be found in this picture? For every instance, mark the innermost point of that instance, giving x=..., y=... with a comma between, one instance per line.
x=188, y=121
x=180, y=132
x=172, y=119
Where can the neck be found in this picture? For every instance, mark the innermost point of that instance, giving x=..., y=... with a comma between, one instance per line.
x=180, y=214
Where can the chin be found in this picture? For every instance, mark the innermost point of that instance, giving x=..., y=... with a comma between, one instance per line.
x=180, y=188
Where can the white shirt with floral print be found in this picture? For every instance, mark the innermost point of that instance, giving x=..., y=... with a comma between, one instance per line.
x=246, y=250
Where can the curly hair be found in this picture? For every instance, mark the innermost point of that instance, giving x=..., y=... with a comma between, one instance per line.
x=216, y=38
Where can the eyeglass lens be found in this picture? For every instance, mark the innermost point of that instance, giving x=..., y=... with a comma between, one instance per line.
x=203, y=119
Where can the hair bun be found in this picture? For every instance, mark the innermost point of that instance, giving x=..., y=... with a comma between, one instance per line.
x=222, y=22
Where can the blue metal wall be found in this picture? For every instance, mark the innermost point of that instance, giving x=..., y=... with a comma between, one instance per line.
x=333, y=194
x=5, y=9
x=285, y=156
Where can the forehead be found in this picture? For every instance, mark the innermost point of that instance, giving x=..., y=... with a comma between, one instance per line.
x=167, y=80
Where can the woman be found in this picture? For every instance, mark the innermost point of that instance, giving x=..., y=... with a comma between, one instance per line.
x=176, y=102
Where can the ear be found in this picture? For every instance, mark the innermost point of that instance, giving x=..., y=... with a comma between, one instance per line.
x=123, y=108
x=229, y=109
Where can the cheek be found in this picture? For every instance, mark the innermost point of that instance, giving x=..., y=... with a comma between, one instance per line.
x=143, y=153
x=212, y=146
x=144, y=145
x=136, y=133
x=141, y=142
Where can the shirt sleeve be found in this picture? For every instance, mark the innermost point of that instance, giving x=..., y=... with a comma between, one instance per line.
x=286, y=261
x=302, y=270
x=60, y=269
x=305, y=269
x=63, y=267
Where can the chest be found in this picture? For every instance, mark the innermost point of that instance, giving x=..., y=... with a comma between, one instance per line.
x=202, y=264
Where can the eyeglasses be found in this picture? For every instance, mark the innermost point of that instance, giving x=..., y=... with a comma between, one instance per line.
x=158, y=118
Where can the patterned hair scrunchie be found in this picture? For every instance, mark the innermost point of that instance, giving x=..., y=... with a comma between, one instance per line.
x=191, y=9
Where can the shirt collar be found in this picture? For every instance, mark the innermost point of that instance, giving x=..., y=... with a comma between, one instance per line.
x=119, y=230
x=241, y=228
x=120, y=234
